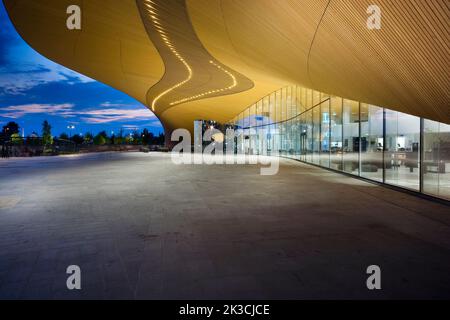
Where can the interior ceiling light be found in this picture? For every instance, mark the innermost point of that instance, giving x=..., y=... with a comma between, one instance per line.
x=203, y=94
x=153, y=16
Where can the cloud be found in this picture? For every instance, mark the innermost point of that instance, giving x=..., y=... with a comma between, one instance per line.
x=16, y=80
x=130, y=126
x=19, y=111
x=155, y=123
x=112, y=115
x=91, y=116
x=22, y=68
x=108, y=104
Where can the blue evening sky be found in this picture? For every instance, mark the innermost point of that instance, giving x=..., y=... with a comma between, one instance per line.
x=34, y=89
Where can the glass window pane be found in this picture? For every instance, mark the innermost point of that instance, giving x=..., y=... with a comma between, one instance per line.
x=272, y=107
x=278, y=105
x=325, y=134
x=265, y=110
x=288, y=146
x=309, y=98
x=302, y=137
x=336, y=133
x=298, y=100
x=296, y=137
x=316, y=98
x=350, y=148
x=252, y=115
x=436, y=158
x=304, y=101
x=401, y=156
x=316, y=135
x=247, y=118
x=288, y=102
x=309, y=136
x=371, y=142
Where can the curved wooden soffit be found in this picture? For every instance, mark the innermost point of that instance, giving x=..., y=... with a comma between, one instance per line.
x=191, y=73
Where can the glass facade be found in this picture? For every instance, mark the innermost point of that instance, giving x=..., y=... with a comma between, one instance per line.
x=350, y=133
x=371, y=142
x=436, y=158
x=345, y=135
x=401, y=155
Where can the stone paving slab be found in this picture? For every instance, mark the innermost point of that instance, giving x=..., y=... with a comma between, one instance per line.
x=141, y=227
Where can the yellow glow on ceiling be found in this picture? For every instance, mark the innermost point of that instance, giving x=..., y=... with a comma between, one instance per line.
x=165, y=37
x=203, y=94
x=172, y=48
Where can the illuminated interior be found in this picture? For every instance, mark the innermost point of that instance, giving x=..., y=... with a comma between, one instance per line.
x=267, y=64
x=364, y=140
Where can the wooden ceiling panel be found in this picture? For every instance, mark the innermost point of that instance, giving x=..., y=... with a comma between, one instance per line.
x=326, y=46
x=320, y=44
x=191, y=72
x=404, y=66
x=108, y=28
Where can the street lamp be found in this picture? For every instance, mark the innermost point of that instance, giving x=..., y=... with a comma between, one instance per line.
x=70, y=127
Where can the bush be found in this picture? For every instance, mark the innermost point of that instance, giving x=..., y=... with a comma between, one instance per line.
x=16, y=139
x=99, y=140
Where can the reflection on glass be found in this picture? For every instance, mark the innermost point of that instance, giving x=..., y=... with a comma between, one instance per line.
x=296, y=137
x=316, y=135
x=436, y=158
x=402, y=150
x=336, y=133
x=371, y=142
x=316, y=98
x=278, y=105
x=350, y=148
x=358, y=138
x=303, y=99
x=266, y=110
x=259, y=113
x=309, y=136
x=309, y=99
x=325, y=134
x=273, y=111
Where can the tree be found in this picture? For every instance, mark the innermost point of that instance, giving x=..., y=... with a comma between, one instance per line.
x=77, y=139
x=147, y=137
x=119, y=138
x=160, y=140
x=88, y=137
x=10, y=129
x=64, y=136
x=136, y=138
x=104, y=135
x=33, y=139
x=99, y=140
x=47, y=138
x=16, y=138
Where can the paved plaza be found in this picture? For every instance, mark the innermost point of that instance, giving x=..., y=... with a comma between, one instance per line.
x=141, y=227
